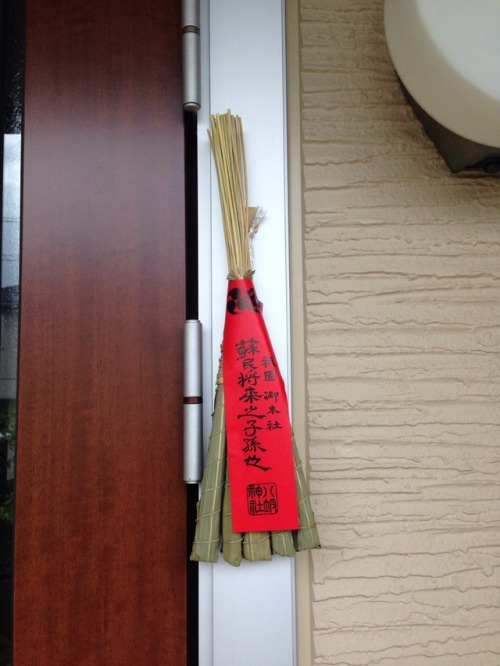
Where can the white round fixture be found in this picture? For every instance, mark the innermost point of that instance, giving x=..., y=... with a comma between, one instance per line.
x=447, y=55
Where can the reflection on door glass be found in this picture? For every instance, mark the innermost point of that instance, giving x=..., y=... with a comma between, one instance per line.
x=12, y=29
x=9, y=326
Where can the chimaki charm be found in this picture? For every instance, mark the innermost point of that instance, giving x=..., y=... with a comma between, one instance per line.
x=254, y=498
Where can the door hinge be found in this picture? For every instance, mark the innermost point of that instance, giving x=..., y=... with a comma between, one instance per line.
x=191, y=55
x=193, y=401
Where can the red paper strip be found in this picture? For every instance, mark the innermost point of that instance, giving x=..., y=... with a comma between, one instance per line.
x=259, y=434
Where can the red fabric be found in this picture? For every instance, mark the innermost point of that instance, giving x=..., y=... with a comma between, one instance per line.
x=259, y=434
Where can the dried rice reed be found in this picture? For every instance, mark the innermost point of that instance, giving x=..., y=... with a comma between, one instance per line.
x=214, y=528
x=228, y=148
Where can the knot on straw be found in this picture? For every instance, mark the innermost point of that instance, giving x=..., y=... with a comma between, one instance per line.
x=246, y=276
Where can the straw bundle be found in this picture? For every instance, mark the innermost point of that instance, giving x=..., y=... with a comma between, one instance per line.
x=228, y=149
x=214, y=526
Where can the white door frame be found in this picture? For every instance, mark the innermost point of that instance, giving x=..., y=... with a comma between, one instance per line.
x=247, y=613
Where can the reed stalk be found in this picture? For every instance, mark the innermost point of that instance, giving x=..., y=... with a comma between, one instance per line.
x=214, y=527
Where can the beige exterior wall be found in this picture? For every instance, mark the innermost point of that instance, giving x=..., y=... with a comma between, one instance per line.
x=402, y=332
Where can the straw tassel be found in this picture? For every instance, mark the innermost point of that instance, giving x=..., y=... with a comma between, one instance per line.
x=214, y=528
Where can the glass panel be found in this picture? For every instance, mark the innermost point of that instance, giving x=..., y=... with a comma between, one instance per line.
x=12, y=23
x=9, y=326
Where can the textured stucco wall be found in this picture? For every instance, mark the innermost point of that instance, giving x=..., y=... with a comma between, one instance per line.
x=402, y=266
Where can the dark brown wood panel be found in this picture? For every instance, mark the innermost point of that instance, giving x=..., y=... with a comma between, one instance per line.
x=100, y=511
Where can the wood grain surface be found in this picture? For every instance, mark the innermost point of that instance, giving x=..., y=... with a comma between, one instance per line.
x=100, y=552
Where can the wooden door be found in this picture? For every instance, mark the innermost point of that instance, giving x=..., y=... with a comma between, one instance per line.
x=100, y=545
